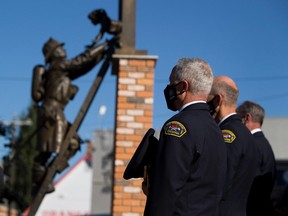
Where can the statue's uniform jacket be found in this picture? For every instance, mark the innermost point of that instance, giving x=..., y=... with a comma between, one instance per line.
x=58, y=91
x=188, y=174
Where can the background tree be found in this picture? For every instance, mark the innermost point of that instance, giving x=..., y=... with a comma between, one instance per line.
x=19, y=162
x=25, y=152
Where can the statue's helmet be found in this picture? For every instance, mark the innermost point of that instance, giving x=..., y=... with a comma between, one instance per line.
x=49, y=47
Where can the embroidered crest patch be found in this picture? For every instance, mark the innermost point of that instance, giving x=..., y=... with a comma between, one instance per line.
x=228, y=136
x=175, y=128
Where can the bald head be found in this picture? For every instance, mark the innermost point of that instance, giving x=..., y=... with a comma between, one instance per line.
x=225, y=86
x=226, y=80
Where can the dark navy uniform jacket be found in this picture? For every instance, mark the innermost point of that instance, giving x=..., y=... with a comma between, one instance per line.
x=241, y=169
x=259, y=200
x=189, y=170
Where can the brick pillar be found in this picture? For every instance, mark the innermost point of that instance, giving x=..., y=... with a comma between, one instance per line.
x=134, y=113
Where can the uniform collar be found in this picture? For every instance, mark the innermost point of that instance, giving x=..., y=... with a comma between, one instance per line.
x=255, y=130
x=227, y=116
x=188, y=104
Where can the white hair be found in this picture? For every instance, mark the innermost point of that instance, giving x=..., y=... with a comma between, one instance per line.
x=196, y=72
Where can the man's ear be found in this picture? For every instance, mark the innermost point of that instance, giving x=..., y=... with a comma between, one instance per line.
x=248, y=117
x=216, y=100
x=185, y=86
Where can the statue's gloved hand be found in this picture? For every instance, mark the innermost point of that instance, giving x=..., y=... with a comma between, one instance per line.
x=115, y=41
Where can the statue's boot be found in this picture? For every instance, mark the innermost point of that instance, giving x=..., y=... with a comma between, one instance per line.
x=39, y=173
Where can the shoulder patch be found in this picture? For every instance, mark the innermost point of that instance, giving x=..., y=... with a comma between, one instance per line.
x=175, y=128
x=228, y=136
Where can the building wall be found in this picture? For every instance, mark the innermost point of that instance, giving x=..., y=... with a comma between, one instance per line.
x=276, y=131
x=101, y=201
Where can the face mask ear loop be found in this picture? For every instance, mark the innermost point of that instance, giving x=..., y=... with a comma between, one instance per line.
x=216, y=101
x=213, y=104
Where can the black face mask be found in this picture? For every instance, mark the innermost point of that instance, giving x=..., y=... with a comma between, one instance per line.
x=171, y=96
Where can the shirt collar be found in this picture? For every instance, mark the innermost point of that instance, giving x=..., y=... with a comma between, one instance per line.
x=255, y=130
x=188, y=104
x=227, y=116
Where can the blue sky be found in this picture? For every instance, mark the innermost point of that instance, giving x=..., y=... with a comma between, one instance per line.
x=246, y=40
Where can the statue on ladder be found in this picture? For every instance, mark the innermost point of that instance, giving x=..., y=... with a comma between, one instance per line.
x=52, y=89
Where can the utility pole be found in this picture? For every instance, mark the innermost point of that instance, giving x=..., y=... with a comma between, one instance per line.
x=127, y=16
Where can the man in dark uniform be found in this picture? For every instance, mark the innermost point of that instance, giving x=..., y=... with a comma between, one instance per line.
x=52, y=92
x=189, y=170
x=259, y=200
x=240, y=145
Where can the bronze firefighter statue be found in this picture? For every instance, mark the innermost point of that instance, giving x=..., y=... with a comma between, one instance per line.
x=52, y=89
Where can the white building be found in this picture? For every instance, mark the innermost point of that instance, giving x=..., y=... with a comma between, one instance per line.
x=73, y=192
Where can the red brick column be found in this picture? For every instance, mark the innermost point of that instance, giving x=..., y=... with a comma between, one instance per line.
x=134, y=112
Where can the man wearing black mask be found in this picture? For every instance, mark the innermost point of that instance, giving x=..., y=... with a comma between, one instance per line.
x=240, y=145
x=189, y=170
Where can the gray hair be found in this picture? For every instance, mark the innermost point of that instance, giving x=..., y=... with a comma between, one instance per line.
x=256, y=111
x=196, y=72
